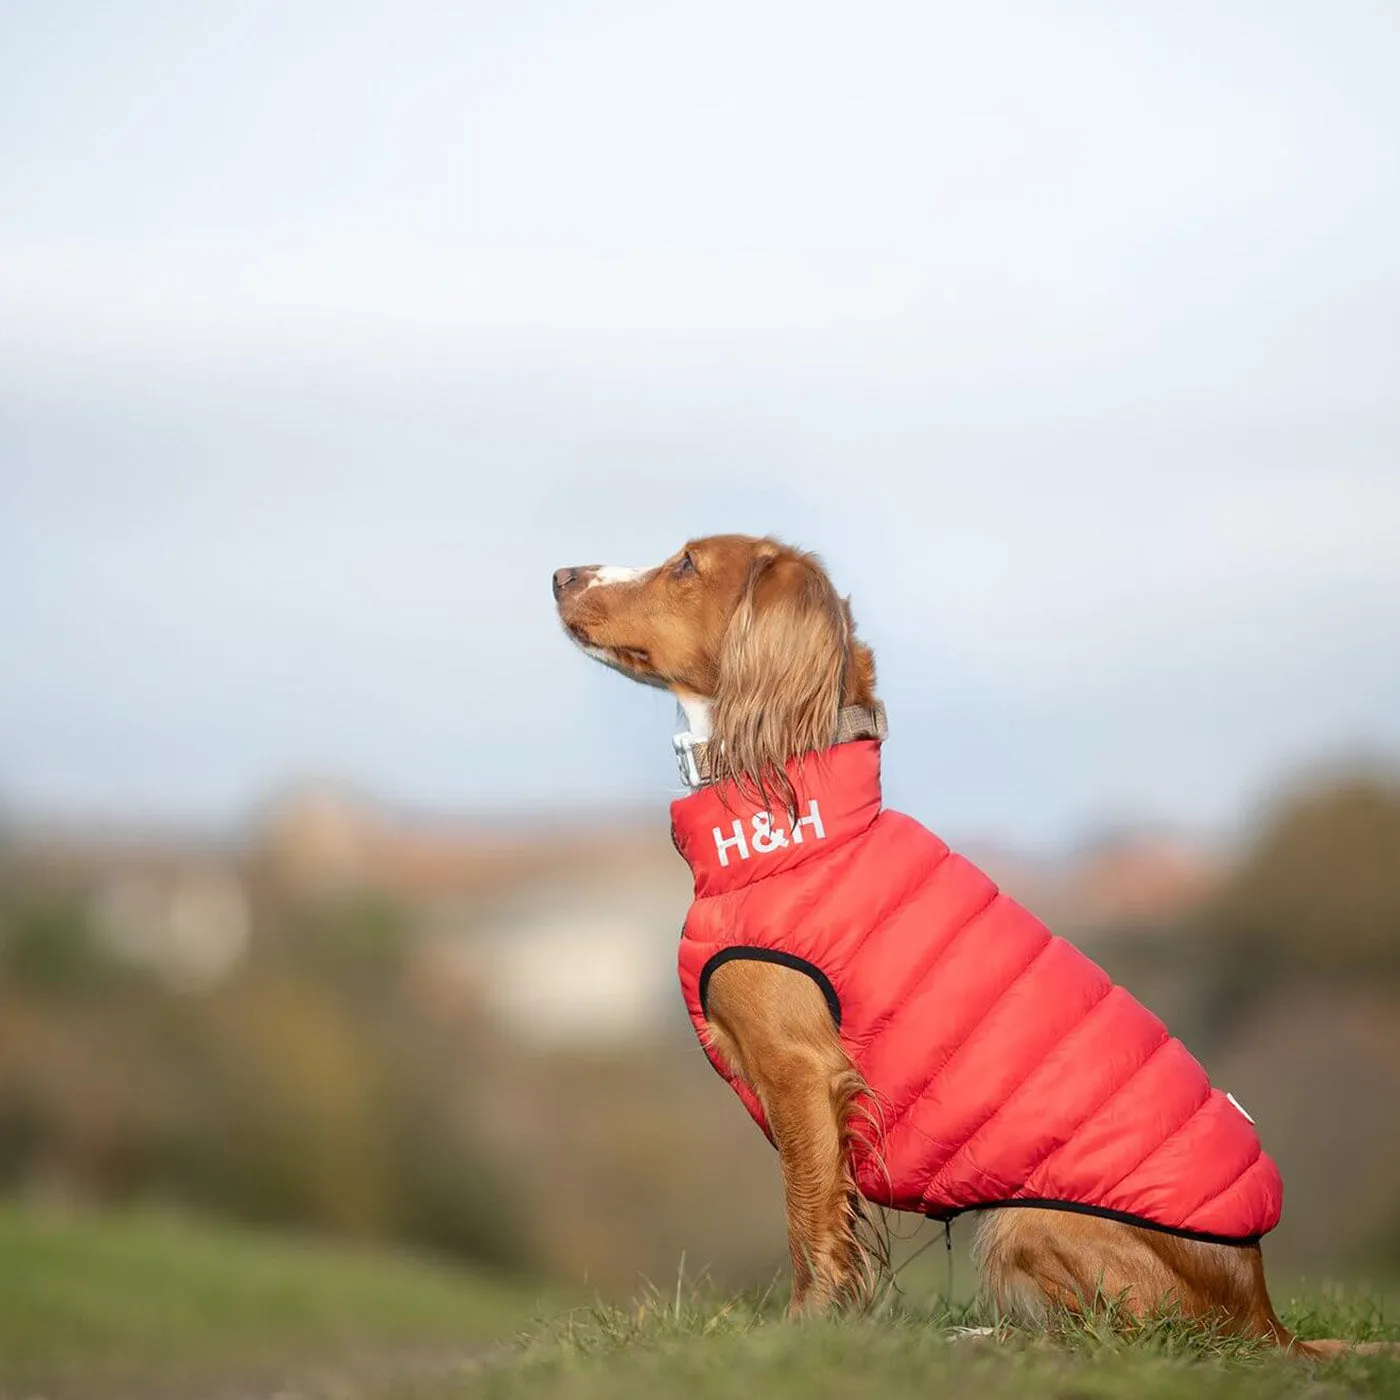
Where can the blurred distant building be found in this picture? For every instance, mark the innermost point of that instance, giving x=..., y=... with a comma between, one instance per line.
x=565, y=930
x=178, y=907
x=190, y=929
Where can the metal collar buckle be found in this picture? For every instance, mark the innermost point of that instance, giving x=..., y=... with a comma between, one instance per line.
x=684, y=745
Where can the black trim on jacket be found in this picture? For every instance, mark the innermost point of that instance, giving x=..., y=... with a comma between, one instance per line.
x=771, y=955
x=1078, y=1208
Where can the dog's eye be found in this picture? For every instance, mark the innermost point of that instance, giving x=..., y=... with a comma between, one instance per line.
x=684, y=565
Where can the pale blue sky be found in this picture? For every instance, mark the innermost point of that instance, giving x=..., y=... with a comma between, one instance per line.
x=1069, y=335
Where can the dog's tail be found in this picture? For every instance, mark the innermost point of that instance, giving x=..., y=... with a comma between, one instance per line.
x=1315, y=1348
x=1333, y=1349
x=1264, y=1323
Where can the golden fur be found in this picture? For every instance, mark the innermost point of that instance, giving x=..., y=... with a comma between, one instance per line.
x=782, y=671
x=756, y=628
x=751, y=625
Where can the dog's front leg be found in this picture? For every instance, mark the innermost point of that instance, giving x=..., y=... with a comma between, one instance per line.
x=772, y=1025
x=797, y=1098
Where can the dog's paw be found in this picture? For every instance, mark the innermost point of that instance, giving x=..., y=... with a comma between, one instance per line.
x=967, y=1334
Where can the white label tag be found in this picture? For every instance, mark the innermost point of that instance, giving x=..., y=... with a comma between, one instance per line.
x=1238, y=1105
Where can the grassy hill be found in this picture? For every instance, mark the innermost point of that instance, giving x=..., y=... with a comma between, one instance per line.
x=157, y=1306
x=708, y=1350
x=146, y=1304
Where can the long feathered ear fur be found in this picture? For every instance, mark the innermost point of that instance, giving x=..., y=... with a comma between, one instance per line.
x=781, y=672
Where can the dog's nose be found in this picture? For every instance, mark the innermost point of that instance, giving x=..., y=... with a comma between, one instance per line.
x=564, y=579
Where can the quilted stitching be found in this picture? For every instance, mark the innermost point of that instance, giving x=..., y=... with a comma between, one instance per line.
x=884, y=875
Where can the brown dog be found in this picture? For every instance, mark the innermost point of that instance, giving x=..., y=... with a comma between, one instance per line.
x=754, y=642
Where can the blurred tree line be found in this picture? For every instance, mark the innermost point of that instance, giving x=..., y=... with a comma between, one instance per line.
x=1319, y=894
x=309, y=1087
x=324, y=1082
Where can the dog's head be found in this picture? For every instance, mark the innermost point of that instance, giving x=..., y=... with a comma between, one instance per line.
x=751, y=626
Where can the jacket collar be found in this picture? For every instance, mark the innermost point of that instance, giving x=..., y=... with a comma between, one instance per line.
x=730, y=839
x=852, y=722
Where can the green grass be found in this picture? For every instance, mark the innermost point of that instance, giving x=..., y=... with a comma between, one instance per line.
x=156, y=1306
x=147, y=1303
x=686, y=1344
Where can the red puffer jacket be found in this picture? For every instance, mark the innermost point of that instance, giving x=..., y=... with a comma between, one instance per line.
x=1009, y=1069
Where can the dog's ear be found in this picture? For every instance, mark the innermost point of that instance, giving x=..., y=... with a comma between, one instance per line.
x=781, y=671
